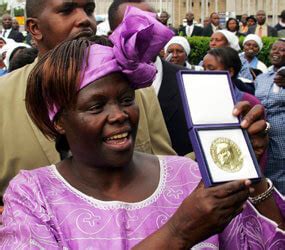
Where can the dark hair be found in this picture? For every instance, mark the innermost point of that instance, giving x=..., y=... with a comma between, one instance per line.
x=251, y=17
x=35, y=7
x=113, y=11
x=228, y=57
x=282, y=15
x=236, y=21
x=54, y=81
x=23, y=57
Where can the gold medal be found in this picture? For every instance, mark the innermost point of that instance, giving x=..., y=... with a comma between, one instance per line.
x=226, y=154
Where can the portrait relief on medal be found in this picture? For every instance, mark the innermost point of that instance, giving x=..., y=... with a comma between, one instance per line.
x=226, y=154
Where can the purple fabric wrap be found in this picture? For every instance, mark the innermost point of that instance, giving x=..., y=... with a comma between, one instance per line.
x=137, y=41
x=43, y=211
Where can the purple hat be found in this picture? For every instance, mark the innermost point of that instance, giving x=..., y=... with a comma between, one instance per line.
x=137, y=41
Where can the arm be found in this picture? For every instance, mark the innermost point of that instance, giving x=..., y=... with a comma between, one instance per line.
x=207, y=211
x=253, y=121
x=26, y=222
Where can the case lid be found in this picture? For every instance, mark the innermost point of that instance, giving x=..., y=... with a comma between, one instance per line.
x=208, y=97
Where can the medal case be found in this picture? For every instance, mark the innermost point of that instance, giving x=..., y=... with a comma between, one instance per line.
x=223, y=149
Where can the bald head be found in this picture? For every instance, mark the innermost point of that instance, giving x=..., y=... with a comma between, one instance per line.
x=7, y=21
x=261, y=17
x=118, y=7
x=189, y=17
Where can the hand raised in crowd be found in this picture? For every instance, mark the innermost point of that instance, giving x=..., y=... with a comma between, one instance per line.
x=205, y=212
x=279, y=78
x=253, y=120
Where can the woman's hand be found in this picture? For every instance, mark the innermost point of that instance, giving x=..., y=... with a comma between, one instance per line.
x=207, y=211
x=253, y=121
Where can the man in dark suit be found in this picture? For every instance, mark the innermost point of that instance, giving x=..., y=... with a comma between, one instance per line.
x=261, y=28
x=168, y=92
x=190, y=29
x=8, y=32
x=213, y=25
x=163, y=18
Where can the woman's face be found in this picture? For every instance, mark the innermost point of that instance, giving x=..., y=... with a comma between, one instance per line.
x=211, y=62
x=218, y=40
x=250, y=22
x=232, y=25
x=101, y=127
x=277, y=54
x=178, y=54
x=250, y=49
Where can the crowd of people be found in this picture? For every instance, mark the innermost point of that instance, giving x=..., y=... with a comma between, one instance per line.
x=96, y=151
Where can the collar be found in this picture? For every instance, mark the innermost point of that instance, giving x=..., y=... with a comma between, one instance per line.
x=214, y=28
x=282, y=24
x=158, y=78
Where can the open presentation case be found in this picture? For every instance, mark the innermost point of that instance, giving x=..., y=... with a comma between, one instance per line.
x=222, y=148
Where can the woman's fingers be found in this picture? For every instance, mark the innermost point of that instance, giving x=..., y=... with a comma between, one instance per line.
x=229, y=188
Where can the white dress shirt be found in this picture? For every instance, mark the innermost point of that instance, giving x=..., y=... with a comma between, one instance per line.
x=158, y=78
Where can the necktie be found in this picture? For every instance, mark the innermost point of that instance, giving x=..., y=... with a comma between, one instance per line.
x=4, y=33
x=260, y=31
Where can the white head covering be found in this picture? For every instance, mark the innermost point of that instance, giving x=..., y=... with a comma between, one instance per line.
x=182, y=41
x=255, y=38
x=231, y=38
x=9, y=48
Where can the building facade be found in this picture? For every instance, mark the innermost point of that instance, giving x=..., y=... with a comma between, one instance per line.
x=202, y=8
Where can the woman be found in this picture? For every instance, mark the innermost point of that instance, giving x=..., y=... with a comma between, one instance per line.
x=269, y=89
x=224, y=38
x=252, y=45
x=106, y=196
x=232, y=25
x=251, y=20
x=177, y=51
x=228, y=59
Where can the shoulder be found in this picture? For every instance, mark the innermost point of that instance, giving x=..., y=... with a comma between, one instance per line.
x=27, y=183
x=145, y=94
x=251, y=28
x=198, y=27
x=261, y=66
x=184, y=170
x=16, y=78
x=170, y=67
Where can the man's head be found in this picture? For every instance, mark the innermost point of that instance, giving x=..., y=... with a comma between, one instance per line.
x=206, y=21
x=15, y=24
x=243, y=19
x=117, y=10
x=163, y=17
x=6, y=21
x=224, y=153
x=261, y=17
x=189, y=17
x=52, y=21
x=215, y=19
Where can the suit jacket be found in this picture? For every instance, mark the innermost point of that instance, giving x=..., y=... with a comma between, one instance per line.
x=197, y=31
x=270, y=30
x=16, y=36
x=172, y=109
x=207, y=31
x=23, y=146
